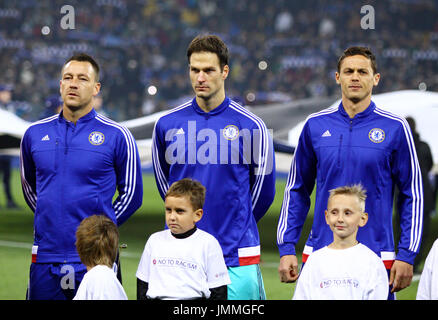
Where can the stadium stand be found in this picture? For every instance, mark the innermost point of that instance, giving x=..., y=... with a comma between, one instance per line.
x=281, y=51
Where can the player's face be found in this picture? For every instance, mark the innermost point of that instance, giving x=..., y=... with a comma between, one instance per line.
x=180, y=216
x=206, y=75
x=78, y=84
x=356, y=78
x=5, y=96
x=344, y=217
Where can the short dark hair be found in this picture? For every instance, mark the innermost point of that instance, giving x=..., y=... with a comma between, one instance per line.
x=87, y=58
x=97, y=241
x=190, y=188
x=356, y=50
x=209, y=43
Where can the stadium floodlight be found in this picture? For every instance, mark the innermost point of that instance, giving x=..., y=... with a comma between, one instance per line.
x=263, y=65
x=250, y=97
x=45, y=30
x=152, y=90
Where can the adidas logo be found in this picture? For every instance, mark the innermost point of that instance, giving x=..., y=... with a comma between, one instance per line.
x=326, y=134
x=180, y=131
x=45, y=138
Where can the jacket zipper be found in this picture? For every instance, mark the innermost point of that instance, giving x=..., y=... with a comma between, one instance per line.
x=66, y=139
x=56, y=154
x=349, y=150
x=65, y=219
x=63, y=168
x=339, y=150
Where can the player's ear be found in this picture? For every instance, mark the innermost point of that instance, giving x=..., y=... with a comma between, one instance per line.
x=337, y=77
x=325, y=214
x=363, y=219
x=225, y=71
x=96, y=88
x=376, y=79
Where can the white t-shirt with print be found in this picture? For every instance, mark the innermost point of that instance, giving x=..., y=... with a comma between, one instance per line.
x=428, y=286
x=100, y=283
x=355, y=273
x=182, y=268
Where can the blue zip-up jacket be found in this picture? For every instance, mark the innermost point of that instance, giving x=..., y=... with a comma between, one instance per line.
x=70, y=172
x=230, y=151
x=376, y=149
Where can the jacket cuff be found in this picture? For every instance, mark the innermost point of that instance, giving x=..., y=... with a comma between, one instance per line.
x=286, y=249
x=406, y=256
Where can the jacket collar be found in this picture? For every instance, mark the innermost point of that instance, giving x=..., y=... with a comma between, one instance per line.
x=90, y=115
x=361, y=115
x=215, y=111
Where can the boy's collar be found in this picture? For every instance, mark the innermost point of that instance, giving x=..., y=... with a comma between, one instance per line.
x=185, y=234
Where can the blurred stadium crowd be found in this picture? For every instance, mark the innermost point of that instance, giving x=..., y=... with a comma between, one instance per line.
x=281, y=50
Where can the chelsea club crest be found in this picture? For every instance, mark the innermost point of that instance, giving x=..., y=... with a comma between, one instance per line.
x=231, y=132
x=96, y=138
x=376, y=135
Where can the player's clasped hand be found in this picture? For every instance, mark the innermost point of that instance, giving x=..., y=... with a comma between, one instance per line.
x=288, y=269
x=401, y=275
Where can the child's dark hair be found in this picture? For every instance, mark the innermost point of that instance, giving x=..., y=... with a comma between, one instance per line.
x=188, y=188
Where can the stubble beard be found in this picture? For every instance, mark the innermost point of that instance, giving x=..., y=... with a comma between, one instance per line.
x=358, y=98
x=205, y=96
x=77, y=107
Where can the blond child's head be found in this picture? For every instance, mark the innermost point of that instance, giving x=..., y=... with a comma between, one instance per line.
x=97, y=239
x=183, y=204
x=346, y=212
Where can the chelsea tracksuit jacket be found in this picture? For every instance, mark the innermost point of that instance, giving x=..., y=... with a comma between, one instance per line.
x=230, y=151
x=70, y=172
x=376, y=149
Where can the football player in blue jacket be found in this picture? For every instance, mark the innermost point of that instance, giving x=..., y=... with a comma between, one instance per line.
x=355, y=142
x=72, y=163
x=216, y=141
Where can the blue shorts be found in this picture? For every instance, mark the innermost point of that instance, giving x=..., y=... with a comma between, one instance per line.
x=54, y=281
x=246, y=283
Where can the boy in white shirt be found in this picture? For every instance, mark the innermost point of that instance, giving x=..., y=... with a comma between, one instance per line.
x=182, y=262
x=428, y=286
x=97, y=240
x=345, y=269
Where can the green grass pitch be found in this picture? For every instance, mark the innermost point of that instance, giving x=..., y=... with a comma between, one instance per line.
x=16, y=234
